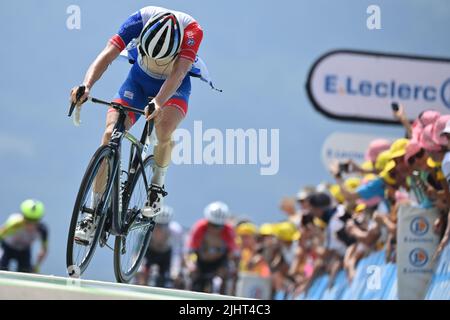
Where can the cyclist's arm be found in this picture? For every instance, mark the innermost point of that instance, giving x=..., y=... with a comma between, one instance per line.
x=100, y=64
x=193, y=36
x=180, y=69
x=43, y=232
x=14, y=223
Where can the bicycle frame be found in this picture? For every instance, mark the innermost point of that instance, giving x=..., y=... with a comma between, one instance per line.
x=137, y=153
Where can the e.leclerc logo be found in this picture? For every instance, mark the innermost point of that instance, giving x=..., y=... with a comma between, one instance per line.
x=419, y=226
x=333, y=84
x=418, y=257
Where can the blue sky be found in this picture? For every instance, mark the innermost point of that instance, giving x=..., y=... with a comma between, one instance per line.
x=258, y=52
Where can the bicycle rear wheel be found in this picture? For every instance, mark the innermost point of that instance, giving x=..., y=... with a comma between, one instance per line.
x=130, y=249
x=79, y=255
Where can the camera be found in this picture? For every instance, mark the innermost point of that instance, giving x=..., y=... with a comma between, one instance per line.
x=394, y=106
x=344, y=167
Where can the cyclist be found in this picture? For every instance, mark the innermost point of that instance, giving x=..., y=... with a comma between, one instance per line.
x=164, y=43
x=18, y=234
x=212, y=249
x=165, y=251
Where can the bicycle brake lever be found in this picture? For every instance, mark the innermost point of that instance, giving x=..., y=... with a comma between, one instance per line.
x=80, y=93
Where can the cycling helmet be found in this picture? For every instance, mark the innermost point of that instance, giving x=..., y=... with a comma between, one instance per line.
x=165, y=216
x=161, y=37
x=216, y=213
x=32, y=209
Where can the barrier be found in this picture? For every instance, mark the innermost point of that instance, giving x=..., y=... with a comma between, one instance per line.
x=253, y=286
x=361, y=289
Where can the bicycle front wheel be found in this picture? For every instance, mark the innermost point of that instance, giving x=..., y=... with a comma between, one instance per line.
x=96, y=179
x=130, y=249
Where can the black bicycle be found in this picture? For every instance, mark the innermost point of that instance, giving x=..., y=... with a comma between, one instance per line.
x=114, y=198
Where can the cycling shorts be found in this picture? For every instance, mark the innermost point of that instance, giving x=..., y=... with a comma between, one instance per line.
x=139, y=86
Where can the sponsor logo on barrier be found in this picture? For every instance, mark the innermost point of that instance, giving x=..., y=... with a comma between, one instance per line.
x=418, y=257
x=419, y=226
x=359, y=86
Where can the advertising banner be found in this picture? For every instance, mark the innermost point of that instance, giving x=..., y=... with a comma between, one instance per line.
x=416, y=244
x=360, y=86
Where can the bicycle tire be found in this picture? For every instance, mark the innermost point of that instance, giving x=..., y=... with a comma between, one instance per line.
x=104, y=152
x=121, y=275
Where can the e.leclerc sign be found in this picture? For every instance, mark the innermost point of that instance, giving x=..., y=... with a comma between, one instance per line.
x=360, y=86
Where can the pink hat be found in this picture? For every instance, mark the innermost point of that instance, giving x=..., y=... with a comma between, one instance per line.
x=428, y=117
x=426, y=139
x=438, y=127
x=375, y=148
x=416, y=132
x=412, y=148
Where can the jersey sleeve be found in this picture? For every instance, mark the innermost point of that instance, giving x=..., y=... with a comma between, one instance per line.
x=193, y=35
x=196, y=237
x=129, y=30
x=43, y=232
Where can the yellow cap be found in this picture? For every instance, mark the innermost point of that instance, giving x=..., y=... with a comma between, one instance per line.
x=398, y=148
x=319, y=223
x=351, y=184
x=385, y=174
x=367, y=165
x=360, y=208
x=335, y=191
x=433, y=164
x=266, y=229
x=369, y=177
x=287, y=231
x=382, y=159
x=246, y=228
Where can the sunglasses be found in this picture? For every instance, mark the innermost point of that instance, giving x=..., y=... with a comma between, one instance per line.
x=216, y=226
x=418, y=155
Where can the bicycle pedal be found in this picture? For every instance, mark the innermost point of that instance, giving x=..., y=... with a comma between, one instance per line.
x=81, y=241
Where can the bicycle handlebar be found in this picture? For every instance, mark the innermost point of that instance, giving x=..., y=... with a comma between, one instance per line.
x=115, y=105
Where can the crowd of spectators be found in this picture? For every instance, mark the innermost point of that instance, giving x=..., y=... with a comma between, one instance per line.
x=332, y=226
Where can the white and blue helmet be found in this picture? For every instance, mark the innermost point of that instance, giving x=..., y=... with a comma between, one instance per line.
x=161, y=37
x=217, y=213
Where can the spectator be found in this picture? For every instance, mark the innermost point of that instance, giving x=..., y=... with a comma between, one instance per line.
x=287, y=205
x=19, y=233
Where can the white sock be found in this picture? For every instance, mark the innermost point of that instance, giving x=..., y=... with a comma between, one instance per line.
x=96, y=196
x=159, y=175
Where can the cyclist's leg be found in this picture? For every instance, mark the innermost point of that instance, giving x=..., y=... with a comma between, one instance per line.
x=164, y=268
x=5, y=257
x=172, y=113
x=24, y=260
x=143, y=275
